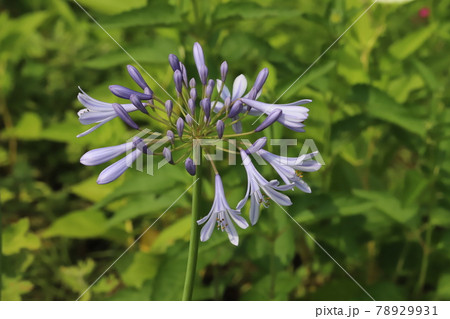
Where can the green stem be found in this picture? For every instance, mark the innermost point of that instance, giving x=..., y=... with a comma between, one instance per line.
x=195, y=238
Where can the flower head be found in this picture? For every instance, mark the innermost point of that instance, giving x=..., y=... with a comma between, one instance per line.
x=200, y=112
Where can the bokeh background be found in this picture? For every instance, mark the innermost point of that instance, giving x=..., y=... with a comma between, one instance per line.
x=379, y=118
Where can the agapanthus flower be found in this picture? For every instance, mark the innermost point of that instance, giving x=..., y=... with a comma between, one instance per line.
x=290, y=168
x=261, y=190
x=222, y=215
x=199, y=112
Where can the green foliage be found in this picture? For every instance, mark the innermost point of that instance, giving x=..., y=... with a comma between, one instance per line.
x=379, y=118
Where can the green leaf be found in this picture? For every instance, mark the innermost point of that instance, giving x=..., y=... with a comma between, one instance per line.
x=410, y=43
x=78, y=224
x=112, y=6
x=139, y=205
x=89, y=189
x=17, y=236
x=143, y=267
x=74, y=277
x=155, y=52
x=178, y=230
x=381, y=106
x=169, y=281
x=157, y=13
x=443, y=288
x=14, y=288
x=285, y=246
x=390, y=205
x=29, y=127
x=250, y=10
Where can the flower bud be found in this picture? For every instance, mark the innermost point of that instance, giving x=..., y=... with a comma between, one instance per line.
x=255, y=147
x=171, y=136
x=169, y=107
x=180, y=127
x=235, y=109
x=192, y=83
x=220, y=128
x=193, y=94
x=209, y=88
x=273, y=116
x=191, y=106
x=190, y=166
x=206, y=107
x=138, y=104
x=120, y=111
x=136, y=76
x=125, y=93
x=174, y=62
x=167, y=153
x=178, y=78
x=223, y=70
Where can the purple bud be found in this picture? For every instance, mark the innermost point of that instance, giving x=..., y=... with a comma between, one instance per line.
x=184, y=74
x=189, y=119
x=167, y=153
x=171, y=136
x=191, y=105
x=193, y=94
x=174, y=62
x=192, y=83
x=137, y=77
x=206, y=106
x=138, y=104
x=199, y=58
x=177, y=78
x=235, y=109
x=180, y=127
x=259, y=144
x=120, y=111
x=223, y=70
x=190, y=166
x=273, y=116
x=261, y=79
x=141, y=145
x=203, y=72
x=169, y=107
x=125, y=93
x=220, y=128
x=209, y=88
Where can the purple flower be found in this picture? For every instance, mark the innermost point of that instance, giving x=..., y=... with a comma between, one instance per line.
x=113, y=171
x=257, y=185
x=97, y=112
x=102, y=155
x=289, y=168
x=293, y=114
x=223, y=215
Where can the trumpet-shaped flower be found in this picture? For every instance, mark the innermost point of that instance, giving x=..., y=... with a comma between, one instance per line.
x=223, y=215
x=257, y=186
x=292, y=115
x=290, y=168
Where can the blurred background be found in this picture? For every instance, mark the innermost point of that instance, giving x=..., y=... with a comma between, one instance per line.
x=379, y=119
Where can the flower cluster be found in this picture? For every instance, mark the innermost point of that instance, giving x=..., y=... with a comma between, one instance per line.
x=208, y=113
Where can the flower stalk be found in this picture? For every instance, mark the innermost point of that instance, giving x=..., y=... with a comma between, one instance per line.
x=195, y=236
